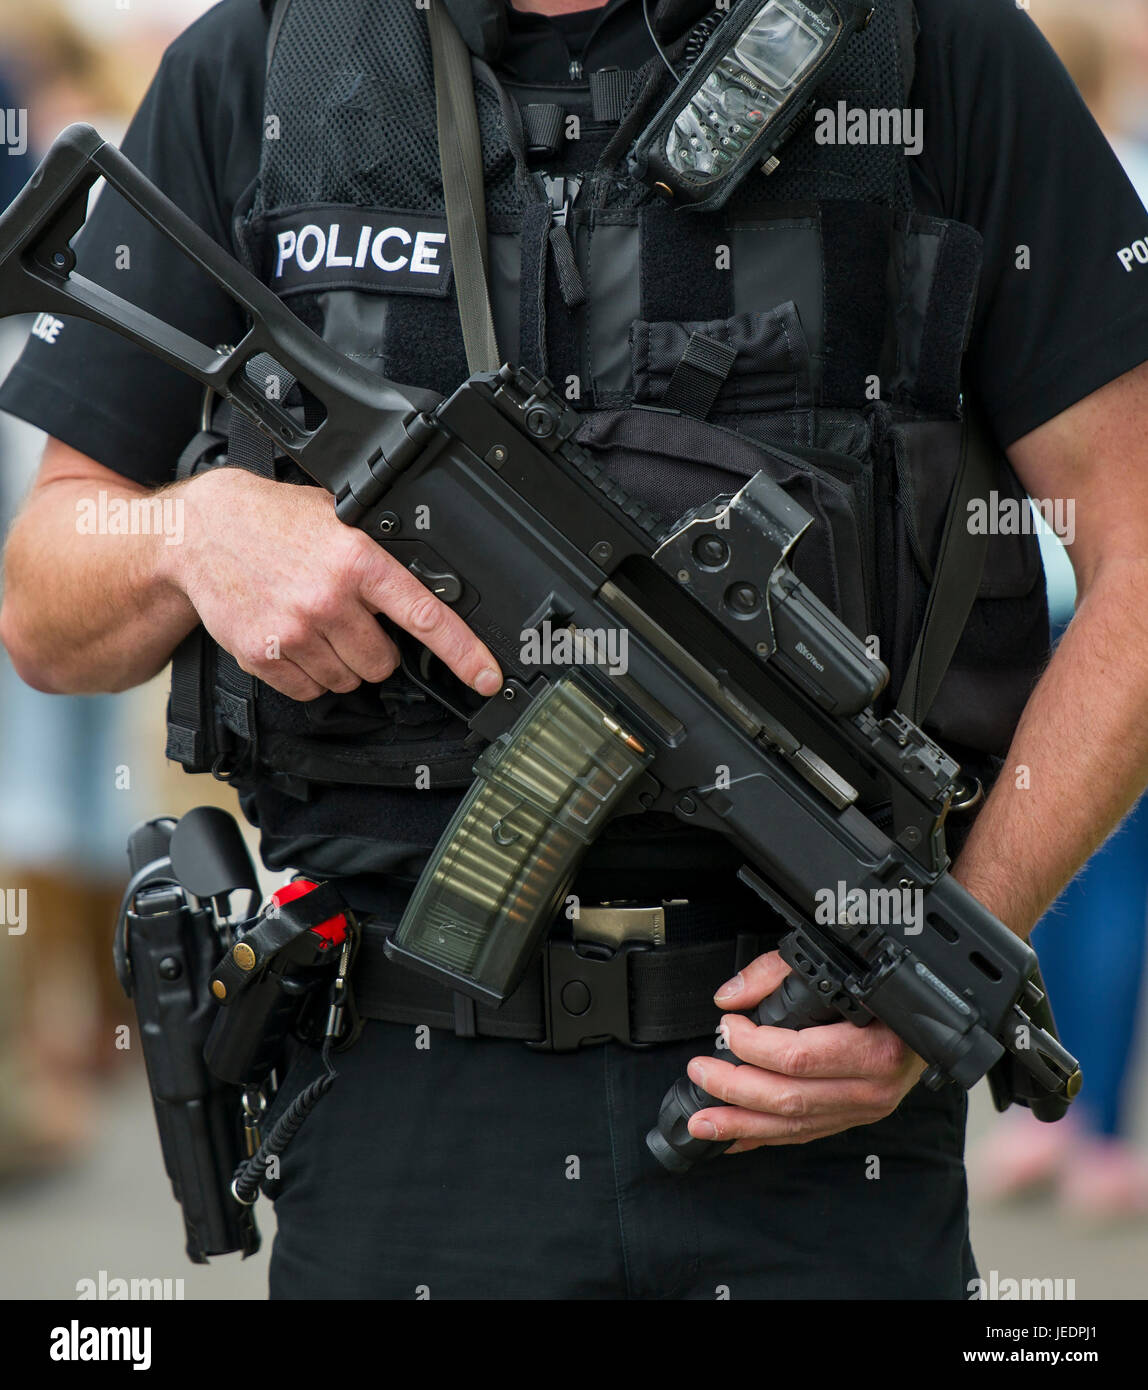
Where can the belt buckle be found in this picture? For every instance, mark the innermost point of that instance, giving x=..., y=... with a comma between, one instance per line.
x=586, y=981
x=611, y=924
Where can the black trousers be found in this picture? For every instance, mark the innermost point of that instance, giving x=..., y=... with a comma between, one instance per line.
x=477, y=1168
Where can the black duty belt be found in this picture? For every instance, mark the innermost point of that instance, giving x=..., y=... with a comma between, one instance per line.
x=639, y=973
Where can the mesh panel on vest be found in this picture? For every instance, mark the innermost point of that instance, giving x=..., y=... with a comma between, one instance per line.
x=352, y=86
x=868, y=77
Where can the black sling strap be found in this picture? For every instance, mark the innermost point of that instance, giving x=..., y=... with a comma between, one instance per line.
x=957, y=574
x=188, y=709
x=460, y=154
x=274, y=24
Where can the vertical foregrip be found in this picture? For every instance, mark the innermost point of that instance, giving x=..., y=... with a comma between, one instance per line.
x=791, y=1005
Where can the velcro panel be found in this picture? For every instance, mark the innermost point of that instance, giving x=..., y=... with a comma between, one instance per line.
x=948, y=320
x=856, y=245
x=562, y=354
x=505, y=252
x=686, y=266
x=423, y=343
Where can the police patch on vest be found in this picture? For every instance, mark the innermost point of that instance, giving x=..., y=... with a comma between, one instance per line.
x=332, y=248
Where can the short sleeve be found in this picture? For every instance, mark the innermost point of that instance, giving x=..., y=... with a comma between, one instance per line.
x=1011, y=149
x=195, y=135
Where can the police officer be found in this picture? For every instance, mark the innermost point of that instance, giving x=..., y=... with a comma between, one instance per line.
x=450, y=1159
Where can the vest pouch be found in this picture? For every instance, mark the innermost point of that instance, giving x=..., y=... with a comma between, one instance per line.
x=674, y=462
x=770, y=367
x=388, y=733
x=1005, y=644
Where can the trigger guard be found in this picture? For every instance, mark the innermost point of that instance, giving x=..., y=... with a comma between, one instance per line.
x=417, y=665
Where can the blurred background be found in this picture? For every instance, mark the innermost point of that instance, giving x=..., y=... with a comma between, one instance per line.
x=82, y=1188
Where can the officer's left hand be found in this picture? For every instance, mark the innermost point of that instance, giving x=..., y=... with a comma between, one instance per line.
x=797, y=1086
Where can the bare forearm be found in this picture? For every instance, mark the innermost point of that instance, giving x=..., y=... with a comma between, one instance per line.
x=274, y=576
x=87, y=609
x=1079, y=759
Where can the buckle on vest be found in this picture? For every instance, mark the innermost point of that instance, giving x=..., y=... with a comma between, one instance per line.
x=586, y=994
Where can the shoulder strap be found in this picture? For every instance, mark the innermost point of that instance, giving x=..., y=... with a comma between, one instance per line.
x=277, y=10
x=957, y=574
x=460, y=154
x=908, y=28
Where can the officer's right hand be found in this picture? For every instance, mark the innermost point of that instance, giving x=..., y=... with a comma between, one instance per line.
x=291, y=592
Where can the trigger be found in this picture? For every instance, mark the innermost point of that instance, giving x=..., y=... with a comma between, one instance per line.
x=419, y=663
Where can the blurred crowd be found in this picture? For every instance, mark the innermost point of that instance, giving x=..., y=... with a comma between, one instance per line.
x=76, y=773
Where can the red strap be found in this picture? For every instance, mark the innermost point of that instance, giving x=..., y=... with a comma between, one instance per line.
x=333, y=931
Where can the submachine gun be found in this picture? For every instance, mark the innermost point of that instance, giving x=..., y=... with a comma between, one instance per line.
x=732, y=664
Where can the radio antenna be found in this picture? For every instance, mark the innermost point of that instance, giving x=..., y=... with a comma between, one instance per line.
x=654, y=39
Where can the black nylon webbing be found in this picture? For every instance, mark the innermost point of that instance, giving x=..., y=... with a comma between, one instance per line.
x=610, y=92
x=570, y=283
x=248, y=448
x=671, y=991
x=699, y=376
x=187, y=715
x=185, y=712
x=460, y=154
x=956, y=576
x=543, y=125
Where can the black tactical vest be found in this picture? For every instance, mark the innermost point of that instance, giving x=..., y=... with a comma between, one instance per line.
x=848, y=314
